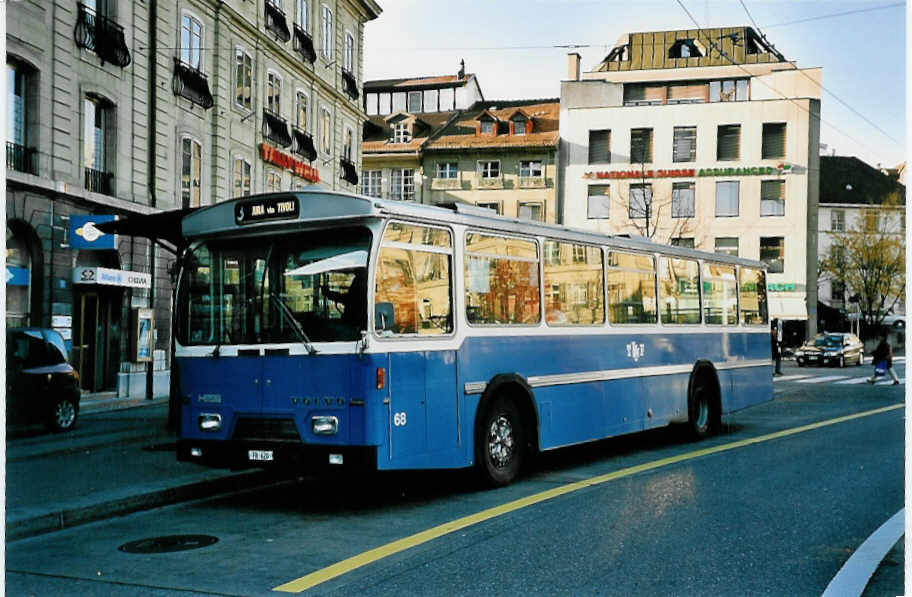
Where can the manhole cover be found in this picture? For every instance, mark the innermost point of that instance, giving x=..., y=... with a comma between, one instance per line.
x=168, y=544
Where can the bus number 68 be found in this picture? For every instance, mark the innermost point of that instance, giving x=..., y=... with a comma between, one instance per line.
x=399, y=419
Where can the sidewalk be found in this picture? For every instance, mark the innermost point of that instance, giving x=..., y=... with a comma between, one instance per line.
x=118, y=459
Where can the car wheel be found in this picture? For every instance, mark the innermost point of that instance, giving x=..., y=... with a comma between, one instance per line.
x=800, y=363
x=841, y=361
x=860, y=359
x=499, y=443
x=63, y=415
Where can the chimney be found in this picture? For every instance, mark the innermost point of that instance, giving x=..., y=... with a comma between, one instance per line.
x=461, y=74
x=573, y=66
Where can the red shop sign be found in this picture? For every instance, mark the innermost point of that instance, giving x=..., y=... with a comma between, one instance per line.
x=283, y=160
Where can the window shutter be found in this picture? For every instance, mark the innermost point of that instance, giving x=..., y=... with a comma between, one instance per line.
x=599, y=147
x=640, y=146
x=729, y=142
x=773, y=140
x=772, y=190
x=685, y=141
x=688, y=92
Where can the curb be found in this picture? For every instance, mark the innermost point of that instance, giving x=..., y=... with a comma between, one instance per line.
x=67, y=518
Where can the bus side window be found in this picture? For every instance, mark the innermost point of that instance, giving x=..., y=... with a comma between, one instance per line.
x=679, y=283
x=720, y=299
x=752, y=296
x=573, y=284
x=631, y=279
x=414, y=289
x=501, y=280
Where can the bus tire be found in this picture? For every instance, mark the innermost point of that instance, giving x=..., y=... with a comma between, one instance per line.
x=702, y=405
x=499, y=443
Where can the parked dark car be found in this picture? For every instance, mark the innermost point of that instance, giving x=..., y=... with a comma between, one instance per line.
x=41, y=386
x=831, y=349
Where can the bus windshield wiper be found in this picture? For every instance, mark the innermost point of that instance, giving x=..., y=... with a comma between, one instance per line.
x=288, y=314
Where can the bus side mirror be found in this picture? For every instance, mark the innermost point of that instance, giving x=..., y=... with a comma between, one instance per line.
x=384, y=316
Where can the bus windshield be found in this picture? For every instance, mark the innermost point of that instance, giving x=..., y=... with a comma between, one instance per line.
x=302, y=287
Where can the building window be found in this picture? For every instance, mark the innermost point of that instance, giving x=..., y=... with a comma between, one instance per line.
x=530, y=169
x=773, y=140
x=728, y=142
x=686, y=48
x=19, y=156
x=487, y=127
x=640, y=201
x=772, y=198
x=598, y=202
x=325, y=130
x=772, y=253
x=727, y=198
x=349, y=62
x=347, y=144
x=519, y=127
x=448, y=170
x=682, y=200
x=402, y=184
x=302, y=15
x=431, y=97
x=96, y=132
x=530, y=211
x=727, y=246
x=414, y=101
x=275, y=20
x=401, y=133
x=683, y=241
x=729, y=90
x=327, y=33
x=191, y=172
x=599, y=147
x=640, y=146
x=273, y=181
x=19, y=278
x=301, y=111
x=489, y=169
x=241, y=177
x=191, y=41
x=243, y=79
x=685, y=144
x=837, y=220
x=493, y=205
x=273, y=93
x=371, y=183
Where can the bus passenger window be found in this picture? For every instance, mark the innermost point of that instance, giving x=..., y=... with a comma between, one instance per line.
x=413, y=294
x=501, y=279
x=631, y=280
x=679, y=283
x=573, y=284
x=720, y=298
x=752, y=295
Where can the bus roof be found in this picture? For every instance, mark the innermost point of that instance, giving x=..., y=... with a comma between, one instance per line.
x=324, y=206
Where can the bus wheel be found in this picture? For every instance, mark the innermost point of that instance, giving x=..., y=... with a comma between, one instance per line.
x=499, y=443
x=701, y=417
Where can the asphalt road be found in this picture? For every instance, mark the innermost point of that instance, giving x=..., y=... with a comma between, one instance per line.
x=751, y=511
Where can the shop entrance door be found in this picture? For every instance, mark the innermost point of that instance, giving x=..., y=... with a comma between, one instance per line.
x=97, y=340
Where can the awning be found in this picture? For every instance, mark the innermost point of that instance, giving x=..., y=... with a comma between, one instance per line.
x=165, y=225
x=787, y=307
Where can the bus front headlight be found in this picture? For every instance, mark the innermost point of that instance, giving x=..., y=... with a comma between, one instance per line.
x=324, y=425
x=210, y=421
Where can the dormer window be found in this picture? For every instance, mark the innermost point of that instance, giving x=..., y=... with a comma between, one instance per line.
x=401, y=133
x=686, y=48
x=520, y=123
x=519, y=127
x=487, y=127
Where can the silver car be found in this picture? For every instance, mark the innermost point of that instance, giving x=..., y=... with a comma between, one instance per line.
x=831, y=349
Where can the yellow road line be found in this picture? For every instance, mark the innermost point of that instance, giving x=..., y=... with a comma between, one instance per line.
x=384, y=551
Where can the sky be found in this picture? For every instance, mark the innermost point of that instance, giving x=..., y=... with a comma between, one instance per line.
x=509, y=46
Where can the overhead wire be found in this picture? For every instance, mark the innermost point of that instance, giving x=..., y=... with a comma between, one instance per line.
x=767, y=84
x=808, y=77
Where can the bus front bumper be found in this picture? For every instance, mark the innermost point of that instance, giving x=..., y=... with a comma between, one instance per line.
x=283, y=455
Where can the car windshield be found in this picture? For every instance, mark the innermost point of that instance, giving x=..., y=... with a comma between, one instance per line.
x=304, y=287
x=828, y=341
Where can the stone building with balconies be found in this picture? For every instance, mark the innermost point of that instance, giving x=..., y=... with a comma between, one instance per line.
x=120, y=108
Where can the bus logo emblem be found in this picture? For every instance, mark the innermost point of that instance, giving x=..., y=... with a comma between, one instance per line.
x=636, y=350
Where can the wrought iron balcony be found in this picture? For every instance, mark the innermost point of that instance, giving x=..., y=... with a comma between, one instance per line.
x=98, y=181
x=20, y=158
x=102, y=36
x=304, y=145
x=304, y=45
x=275, y=22
x=350, y=84
x=190, y=83
x=349, y=173
x=275, y=129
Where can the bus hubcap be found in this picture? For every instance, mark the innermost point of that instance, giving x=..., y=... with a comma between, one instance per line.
x=500, y=441
x=702, y=414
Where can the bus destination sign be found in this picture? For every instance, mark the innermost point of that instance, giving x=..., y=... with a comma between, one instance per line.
x=270, y=208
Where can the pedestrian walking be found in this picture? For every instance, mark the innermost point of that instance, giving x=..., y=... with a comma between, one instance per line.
x=776, y=340
x=883, y=361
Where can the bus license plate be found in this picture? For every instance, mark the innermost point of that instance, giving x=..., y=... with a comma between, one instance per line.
x=259, y=455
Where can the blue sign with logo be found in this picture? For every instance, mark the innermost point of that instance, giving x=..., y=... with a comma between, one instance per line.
x=17, y=276
x=85, y=235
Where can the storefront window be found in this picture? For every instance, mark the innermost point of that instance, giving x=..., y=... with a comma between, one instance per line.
x=18, y=283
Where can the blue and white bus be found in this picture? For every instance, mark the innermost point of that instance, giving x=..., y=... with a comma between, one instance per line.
x=319, y=329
